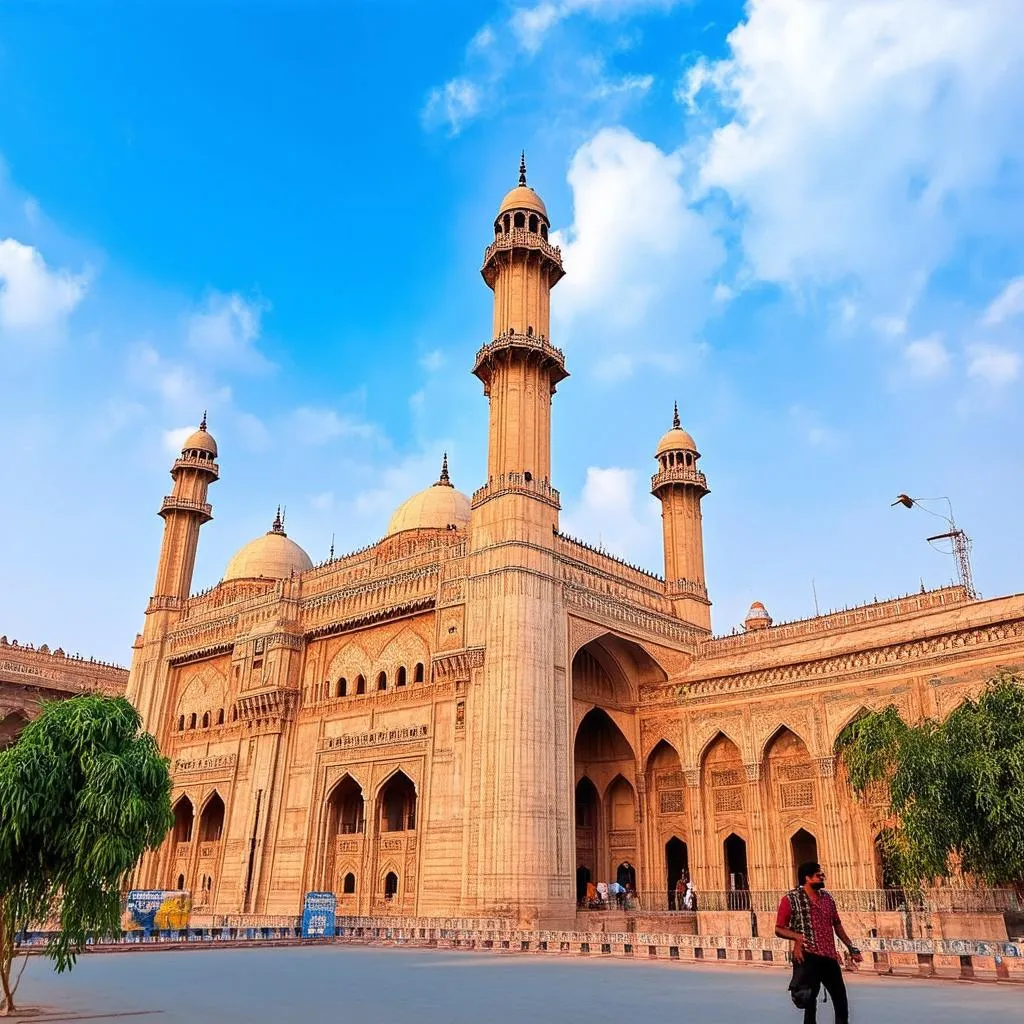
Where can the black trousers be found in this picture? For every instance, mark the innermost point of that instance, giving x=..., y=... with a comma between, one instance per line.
x=823, y=970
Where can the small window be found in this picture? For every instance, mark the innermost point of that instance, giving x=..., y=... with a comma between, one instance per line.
x=349, y=885
x=234, y=714
x=181, y=882
x=533, y=223
x=507, y=223
x=418, y=677
x=181, y=723
x=400, y=680
x=342, y=687
x=192, y=720
x=520, y=221
x=206, y=719
x=390, y=886
x=382, y=681
x=544, y=232
x=360, y=684
x=220, y=717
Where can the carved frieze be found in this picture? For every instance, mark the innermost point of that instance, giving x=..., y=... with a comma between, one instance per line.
x=377, y=737
x=203, y=765
x=458, y=664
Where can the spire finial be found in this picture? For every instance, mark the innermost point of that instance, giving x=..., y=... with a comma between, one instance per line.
x=443, y=478
x=278, y=526
x=522, y=168
x=675, y=415
x=202, y=422
x=332, y=547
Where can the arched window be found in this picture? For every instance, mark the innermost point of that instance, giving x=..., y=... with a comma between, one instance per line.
x=183, y=817
x=192, y=720
x=181, y=882
x=360, y=684
x=544, y=232
x=507, y=223
x=234, y=714
x=520, y=220
x=397, y=804
x=400, y=681
x=497, y=229
x=390, y=885
x=206, y=719
x=342, y=687
x=418, y=677
x=220, y=716
x=382, y=681
x=349, y=884
x=211, y=821
x=533, y=223
x=181, y=723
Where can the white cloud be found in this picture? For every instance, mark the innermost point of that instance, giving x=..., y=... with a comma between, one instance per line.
x=322, y=502
x=807, y=423
x=531, y=24
x=860, y=136
x=225, y=330
x=432, y=361
x=1009, y=303
x=628, y=85
x=927, y=357
x=452, y=105
x=633, y=236
x=607, y=514
x=318, y=426
x=174, y=438
x=33, y=298
x=723, y=293
x=181, y=387
x=992, y=365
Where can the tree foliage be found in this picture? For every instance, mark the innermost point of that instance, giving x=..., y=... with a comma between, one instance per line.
x=955, y=787
x=83, y=793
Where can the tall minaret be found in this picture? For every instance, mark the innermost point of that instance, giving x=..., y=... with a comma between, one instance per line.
x=517, y=818
x=680, y=485
x=519, y=367
x=183, y=511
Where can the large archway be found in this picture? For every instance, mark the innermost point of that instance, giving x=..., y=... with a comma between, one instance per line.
x=789, y=801
x=343, y=836
x=588, y=815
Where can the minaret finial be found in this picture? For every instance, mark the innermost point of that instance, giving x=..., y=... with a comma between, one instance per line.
x=522, y=168
x=332, y=547
x=202, y=422
x=675, y=415
x=443, y=478
x=278, y=526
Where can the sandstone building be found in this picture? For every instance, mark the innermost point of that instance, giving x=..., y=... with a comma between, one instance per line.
x=30, y=675
x=478, y=714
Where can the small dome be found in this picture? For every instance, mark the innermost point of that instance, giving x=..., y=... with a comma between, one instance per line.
x=436, y=508
x=201, y=439
x=522, y=197
x=757, y=617
x=677, y=439
x=272, y=557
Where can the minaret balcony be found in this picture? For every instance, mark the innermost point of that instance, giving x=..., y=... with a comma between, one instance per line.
x=679, y=475
x=173, y=503
x=526, y=343
x=520, y=238
x=207, y=465
x=516, y=483
x=687, y=588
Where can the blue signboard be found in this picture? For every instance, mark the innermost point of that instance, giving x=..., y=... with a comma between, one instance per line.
x=318, y=915
x=156, y=909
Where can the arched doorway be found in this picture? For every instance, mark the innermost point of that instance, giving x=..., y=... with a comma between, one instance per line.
x=345, y=808
x=397, y=804
x=735, y=851
x=587, y=816
x=625, y=875
x=677, y=869
x=804, y=848
x=211, y=821
x=390, y=885
x=343, y=834
x=620, y=801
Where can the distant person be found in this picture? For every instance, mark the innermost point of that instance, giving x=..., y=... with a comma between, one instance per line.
x=591, y=895
x=679, y=894
x=808, y=916
x=690, y=898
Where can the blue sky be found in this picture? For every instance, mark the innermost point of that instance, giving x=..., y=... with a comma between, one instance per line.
x=803, y=220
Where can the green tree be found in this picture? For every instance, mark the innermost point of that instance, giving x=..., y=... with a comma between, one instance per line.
x=955, y=787
x=83, y=793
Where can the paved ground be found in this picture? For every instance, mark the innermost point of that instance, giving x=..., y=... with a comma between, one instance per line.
x=400, y=986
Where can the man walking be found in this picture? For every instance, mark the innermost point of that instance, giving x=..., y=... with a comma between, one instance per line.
x=808, y=916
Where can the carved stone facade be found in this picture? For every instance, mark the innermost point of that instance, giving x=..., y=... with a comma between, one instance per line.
x=30, y=675
x=477, y=715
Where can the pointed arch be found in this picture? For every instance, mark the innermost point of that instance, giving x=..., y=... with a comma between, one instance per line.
x=717, y=736
x=621, y=801
x=599, y=738
x=346, y=807
x=395, y=806
x=660, y=749
x=184, y=819
x=859, y=712
x=781, y=732
x=211, y=818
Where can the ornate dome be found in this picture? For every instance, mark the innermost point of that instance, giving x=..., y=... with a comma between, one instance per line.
x=757, y=617
x=522, y=197
x=271, y=557
x=677, y=439
x=201, y=439
x=436, y=508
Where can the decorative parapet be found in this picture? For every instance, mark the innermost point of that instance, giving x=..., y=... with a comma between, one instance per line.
x=687, y=475
x=516, y=483
x=267, y=706
x=687, y=588
x=520, y=238
x=457, y=664
x=172, y=503
x=376, y=738
x=528, y=344
x=572, y=549
x=197, y=765
x=203, y=639
x=195, y=462
x=26, y=665
x=617, y=614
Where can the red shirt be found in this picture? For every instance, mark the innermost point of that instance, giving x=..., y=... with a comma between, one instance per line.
x=824, y=918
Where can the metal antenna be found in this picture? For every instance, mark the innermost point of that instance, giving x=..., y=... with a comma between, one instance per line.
x=961, y=543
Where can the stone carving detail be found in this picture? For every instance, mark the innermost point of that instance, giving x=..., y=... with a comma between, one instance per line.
x=373, y=739
x=795, y=772
x=670, y=801
x=752, y=771
x=458, y=664
x=692, y=776
x=217, y=762
x=827, y=767
x=729, y=799
x=796, y=795
x=726, y=777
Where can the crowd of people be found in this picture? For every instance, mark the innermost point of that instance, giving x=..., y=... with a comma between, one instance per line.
x=623, y=896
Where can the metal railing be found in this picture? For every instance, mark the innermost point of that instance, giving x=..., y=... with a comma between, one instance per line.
x=946, y=899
